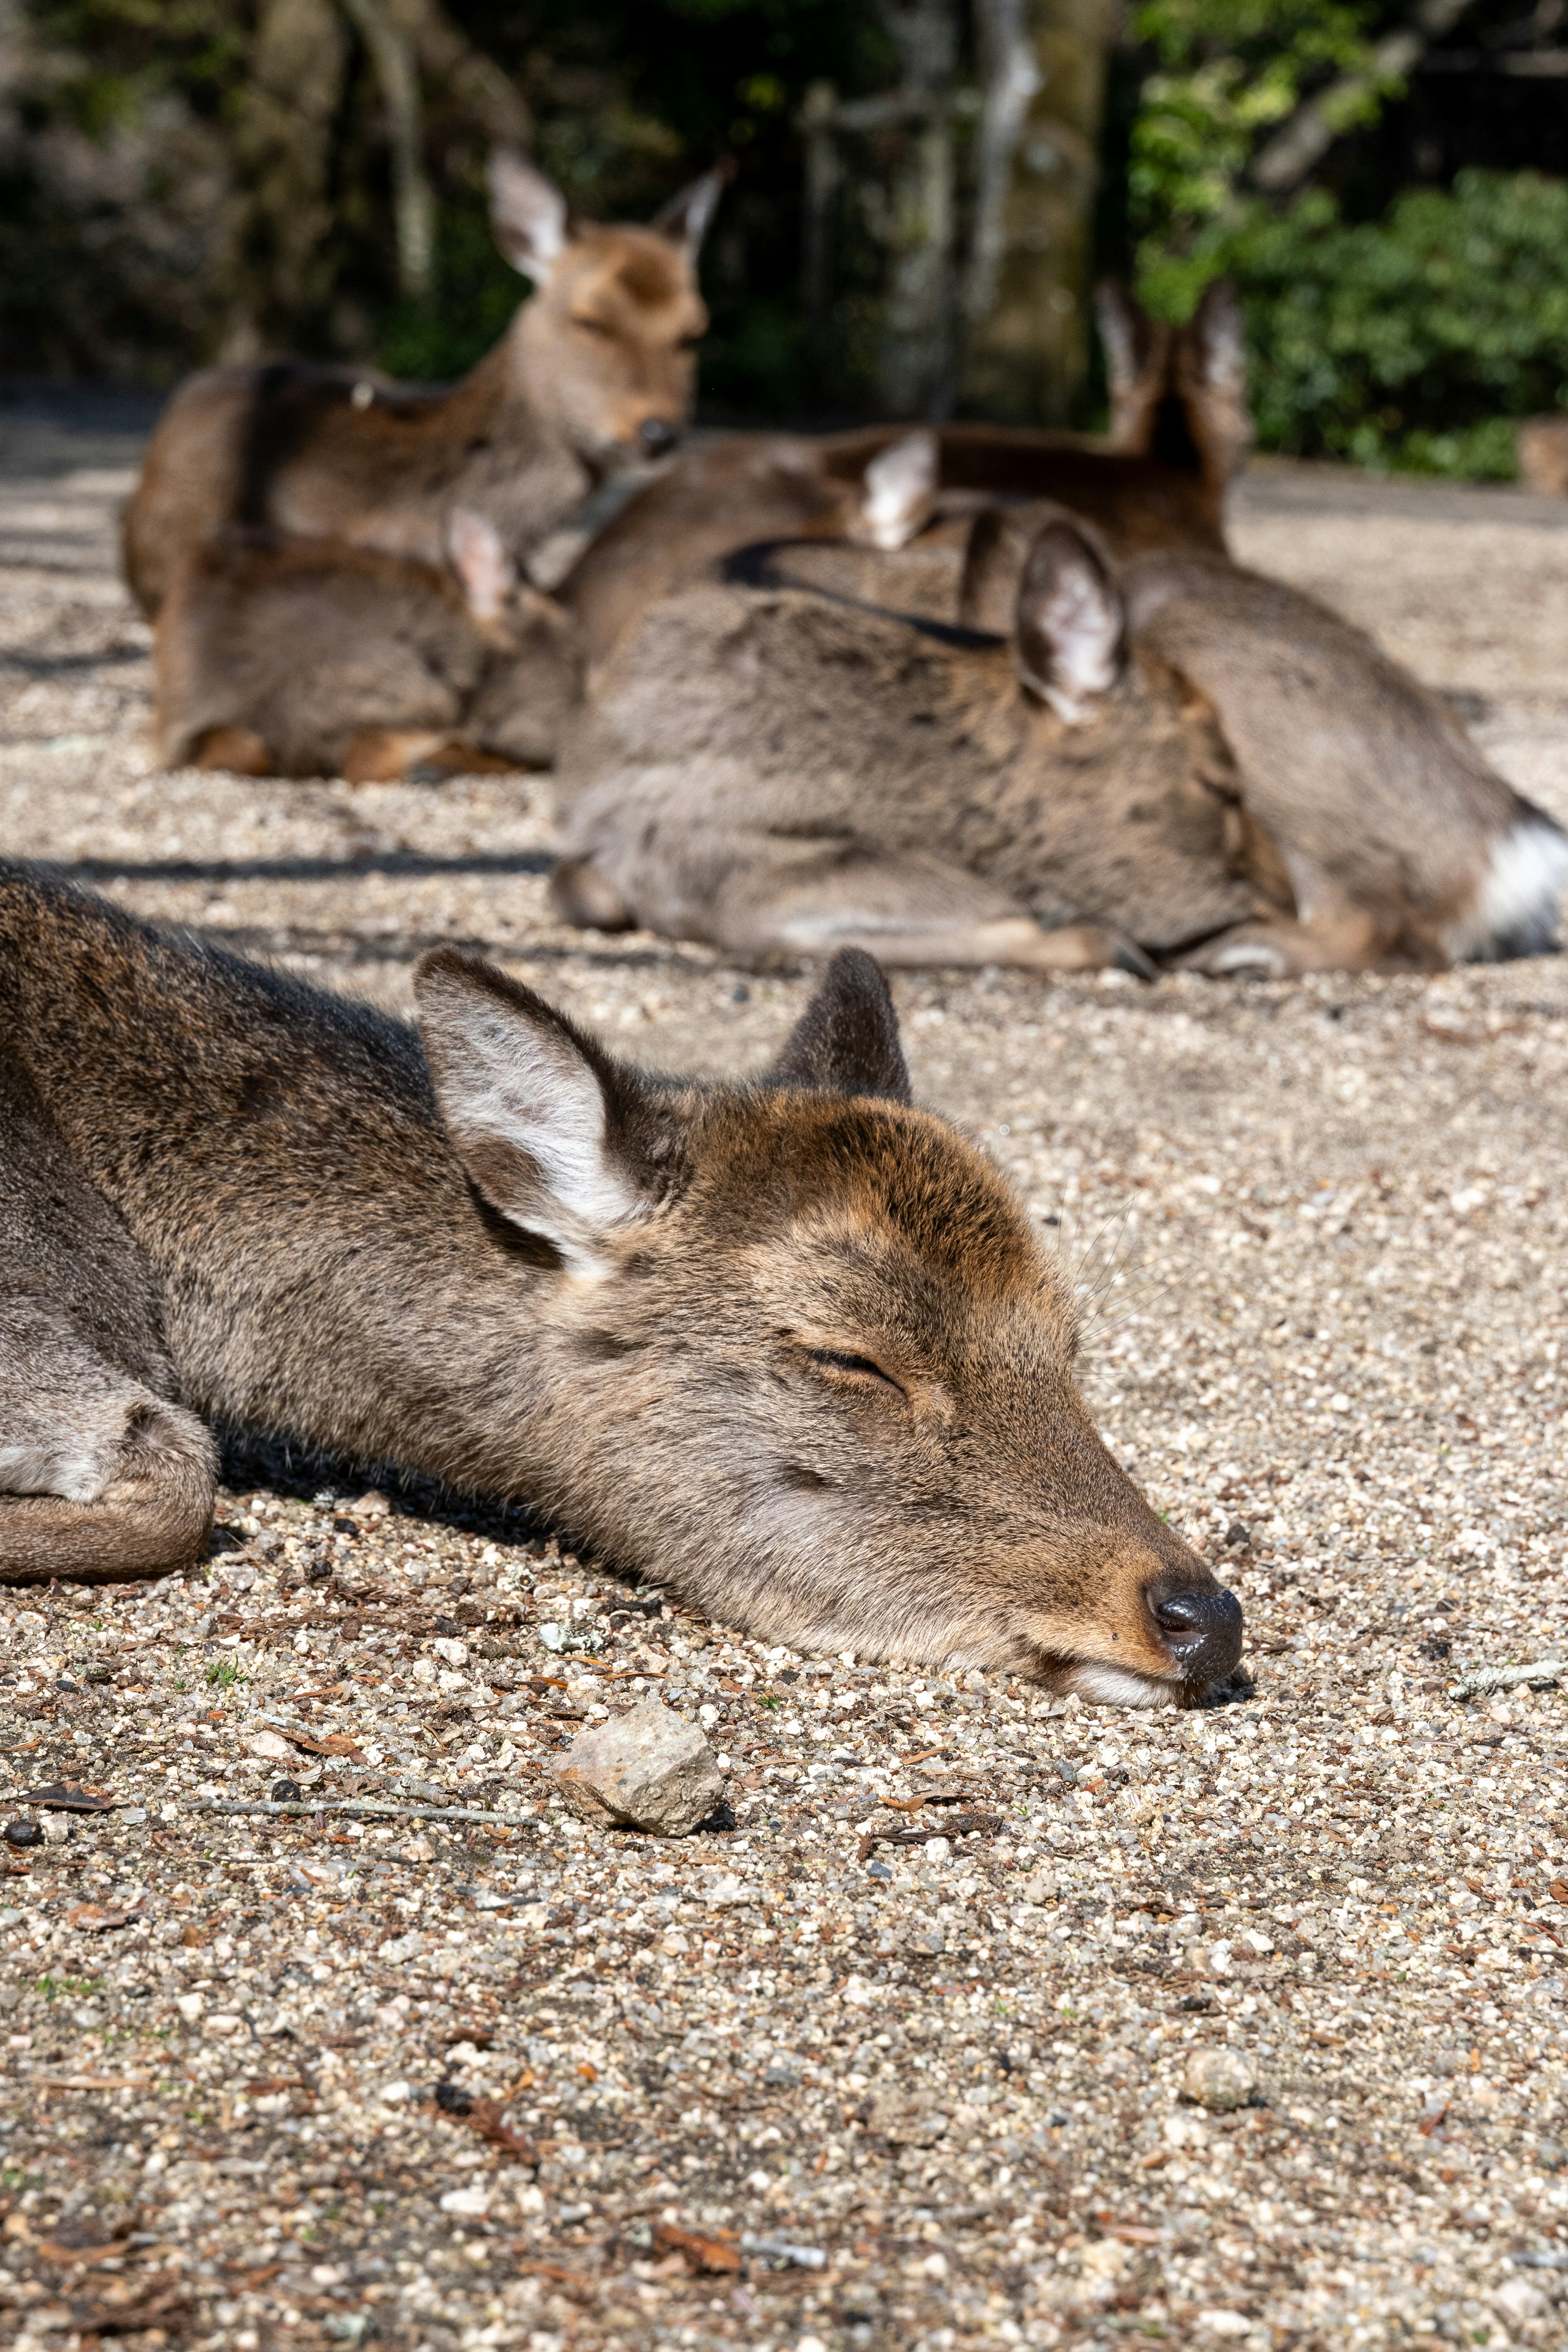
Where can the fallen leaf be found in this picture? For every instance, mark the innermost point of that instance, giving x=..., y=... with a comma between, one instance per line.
x=1132, y=2233
x=93, y=1919
x=68, y=1797
x=485, y=2116
x=706, y=2257
x=52, y=2251
x=1558, y=1890
x=335, y=1743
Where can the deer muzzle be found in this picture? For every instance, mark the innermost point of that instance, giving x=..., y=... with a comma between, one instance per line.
x=1202, y=1630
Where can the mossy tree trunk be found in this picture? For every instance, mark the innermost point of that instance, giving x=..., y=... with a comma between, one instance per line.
x=1043, y=68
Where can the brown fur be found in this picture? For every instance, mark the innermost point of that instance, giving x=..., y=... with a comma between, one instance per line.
x=791, y=1347
x=596, y=370
x=1168, y=754
x=1157, y=482
x=303, y=657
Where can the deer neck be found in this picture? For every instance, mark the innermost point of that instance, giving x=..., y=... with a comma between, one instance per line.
x=513, y=460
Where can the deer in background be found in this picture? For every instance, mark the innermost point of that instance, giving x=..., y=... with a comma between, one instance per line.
x=1086, y=762
x=1180, y=429
x=595, y=374
x=790, y=1347
x=304, y=657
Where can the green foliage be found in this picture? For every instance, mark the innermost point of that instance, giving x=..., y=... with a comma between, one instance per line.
x=1225, y=73
x=225, y=1673
x=1411, y=340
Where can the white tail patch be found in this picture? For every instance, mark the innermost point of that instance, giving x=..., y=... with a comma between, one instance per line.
x=1515, y=907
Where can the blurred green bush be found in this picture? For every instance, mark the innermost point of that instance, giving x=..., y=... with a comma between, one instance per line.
x=1414, y=340
x=1411, y=341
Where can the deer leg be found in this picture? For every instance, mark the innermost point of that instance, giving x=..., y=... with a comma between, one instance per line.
x=382, y=755
x=1280, y=949
x=141, y=1498
x=239, y=751
x=907, y=910
x=580, y=895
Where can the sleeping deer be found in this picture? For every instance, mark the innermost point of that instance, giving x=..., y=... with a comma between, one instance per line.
x=1180, y=427
x=790, y=1347
x=303, y=657
x=594, y=374
x=1092, y=763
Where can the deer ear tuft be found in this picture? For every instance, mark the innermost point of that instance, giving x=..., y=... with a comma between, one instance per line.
x=1211, y=376
x=688, y=217
x=533, y=1109
x=528, y=215
x=899, y=493
x=846, y=1040
x=1137, y=365
x=1070, y=627
x=481, y=563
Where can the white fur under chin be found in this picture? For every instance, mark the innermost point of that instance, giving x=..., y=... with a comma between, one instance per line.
x=1116, y=1686
x=1515, y=906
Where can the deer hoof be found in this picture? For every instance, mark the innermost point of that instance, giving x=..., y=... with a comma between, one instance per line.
x=238, y=749
x=580, y=896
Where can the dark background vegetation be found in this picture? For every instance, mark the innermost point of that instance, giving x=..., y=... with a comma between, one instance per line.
x=171, y=191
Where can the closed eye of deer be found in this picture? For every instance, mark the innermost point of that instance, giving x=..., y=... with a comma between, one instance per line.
x=841, y=1359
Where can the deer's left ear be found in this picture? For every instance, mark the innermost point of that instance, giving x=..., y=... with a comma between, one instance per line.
x=846, y=1040
x=552, y=1132
x=1069, y=628
x=483, y=564
x=528, y=215
x=688, y=217
x=899, y=491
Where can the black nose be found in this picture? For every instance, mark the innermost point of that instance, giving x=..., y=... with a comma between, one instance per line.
x=1203, y=1631
x=658, y=434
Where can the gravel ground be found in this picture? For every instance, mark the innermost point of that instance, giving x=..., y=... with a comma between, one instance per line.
x=934, y=2039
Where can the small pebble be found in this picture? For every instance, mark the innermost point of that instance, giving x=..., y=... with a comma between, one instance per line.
x=1219, y=2079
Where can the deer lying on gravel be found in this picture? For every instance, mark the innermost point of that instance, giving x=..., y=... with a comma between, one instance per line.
x=791, y=1346
x=305, y=656
x=595, y=373
x=1098, y=764
x=302, y=658
x=1180, y=428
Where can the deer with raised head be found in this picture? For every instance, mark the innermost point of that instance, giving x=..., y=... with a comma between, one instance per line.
x=1092, y=762
x=595, y=374
x=790, y=1347
x=302, y=658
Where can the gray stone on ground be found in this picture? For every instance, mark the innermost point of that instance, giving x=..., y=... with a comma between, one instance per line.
x=647, y=1770
x=1219, y=2079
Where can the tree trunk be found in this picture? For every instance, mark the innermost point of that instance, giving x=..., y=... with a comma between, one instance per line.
x=914, y=376
x=1043, y=66
x=389, y=35
x=279, y=212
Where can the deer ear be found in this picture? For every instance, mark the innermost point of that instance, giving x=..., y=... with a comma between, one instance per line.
x=688, y=217
x=993, y=567
x=528, y=215
x=899, y=491
x=1211, y=376
x=846, y=1040
x=483, y=564
x=1137, y=365
x=542, y=1120
x=1070, y=627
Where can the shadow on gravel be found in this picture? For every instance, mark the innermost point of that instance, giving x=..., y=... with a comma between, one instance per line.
x=411, y=865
